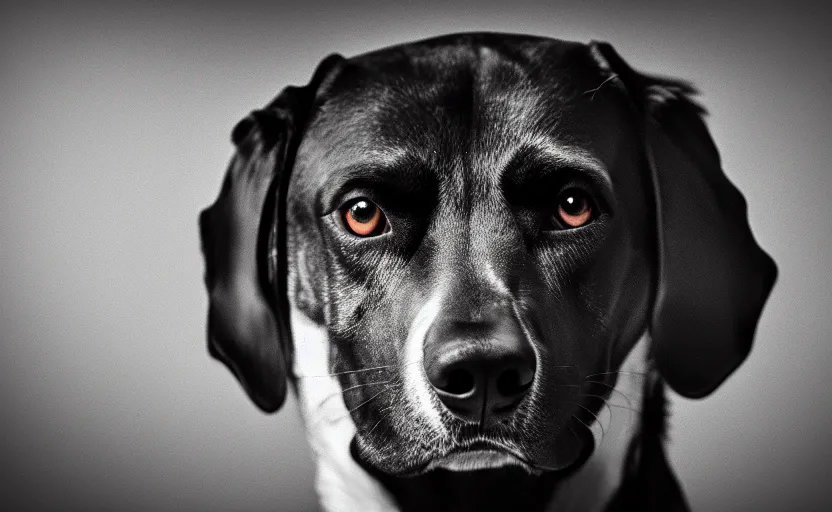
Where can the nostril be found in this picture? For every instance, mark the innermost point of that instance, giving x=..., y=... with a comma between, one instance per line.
x=512, y=382
x=460, y=382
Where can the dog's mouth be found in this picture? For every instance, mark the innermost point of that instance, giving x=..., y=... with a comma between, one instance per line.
x=480, y=455
x=477, y=455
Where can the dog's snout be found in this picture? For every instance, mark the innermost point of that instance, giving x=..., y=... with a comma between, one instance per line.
x=480, y=370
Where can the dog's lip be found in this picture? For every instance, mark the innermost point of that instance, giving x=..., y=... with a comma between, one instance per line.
x=479, y=456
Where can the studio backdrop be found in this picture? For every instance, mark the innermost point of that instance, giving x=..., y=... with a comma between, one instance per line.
x=115, y=125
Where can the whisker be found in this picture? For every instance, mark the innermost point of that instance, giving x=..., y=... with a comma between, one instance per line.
x=389, y=387
x=606, y=402
x=374, y=427
x=625, y=407
x=381, y=411
x=574, y=433
x=622, y=372
x=632, y=417
x=367, y=384
x=595, y=91
x=603, y=432
x=357, y=386
x=344, y=373
x=585, y=425
x=375, y=368
x=613, y=390
x=365, y=402
x=603, y=400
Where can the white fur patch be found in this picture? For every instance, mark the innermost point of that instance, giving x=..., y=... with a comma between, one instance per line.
x=341, y=484
x=494, y=280
x=413, y=374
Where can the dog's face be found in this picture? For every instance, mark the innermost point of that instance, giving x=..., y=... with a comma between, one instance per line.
x=482, y=224
x=481, y=236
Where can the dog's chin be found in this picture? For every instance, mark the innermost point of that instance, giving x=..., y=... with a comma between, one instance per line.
x=480, y=475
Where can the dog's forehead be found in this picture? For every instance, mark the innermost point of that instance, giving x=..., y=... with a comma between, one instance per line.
x=467, y=102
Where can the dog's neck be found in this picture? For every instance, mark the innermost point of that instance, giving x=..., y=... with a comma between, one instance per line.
x=342, y=485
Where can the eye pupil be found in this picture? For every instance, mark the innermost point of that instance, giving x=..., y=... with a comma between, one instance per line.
x=574, y=209
x=363, y=212
x=572, y=204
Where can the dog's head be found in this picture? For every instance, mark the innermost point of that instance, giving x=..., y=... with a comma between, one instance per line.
x=481, y=222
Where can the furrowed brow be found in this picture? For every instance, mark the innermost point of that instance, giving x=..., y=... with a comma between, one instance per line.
x=401, y=177
x=535, y=160
x=537, y=165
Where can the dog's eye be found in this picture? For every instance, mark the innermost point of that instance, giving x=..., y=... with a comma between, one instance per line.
x=363, y=218
x=574, y=209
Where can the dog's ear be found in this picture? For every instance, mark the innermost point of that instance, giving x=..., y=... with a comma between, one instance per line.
x=712, y=279
x=243, y=242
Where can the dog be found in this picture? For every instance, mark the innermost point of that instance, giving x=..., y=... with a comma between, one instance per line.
x=472, y=258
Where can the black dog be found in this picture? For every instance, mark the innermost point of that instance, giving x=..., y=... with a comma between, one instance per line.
x=460, y=251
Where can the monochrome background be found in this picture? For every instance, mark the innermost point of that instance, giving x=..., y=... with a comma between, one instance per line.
x=114, y=133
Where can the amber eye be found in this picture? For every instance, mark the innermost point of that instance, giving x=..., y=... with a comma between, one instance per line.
x=574, y=208
x=364, y=218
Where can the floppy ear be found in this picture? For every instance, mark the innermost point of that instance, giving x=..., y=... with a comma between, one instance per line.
x=243, y=243
x=712, y=278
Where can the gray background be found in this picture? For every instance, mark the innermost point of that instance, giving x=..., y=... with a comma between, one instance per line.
x=114, y=127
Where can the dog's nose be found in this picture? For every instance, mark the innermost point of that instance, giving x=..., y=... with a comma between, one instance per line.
x=480, y=370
